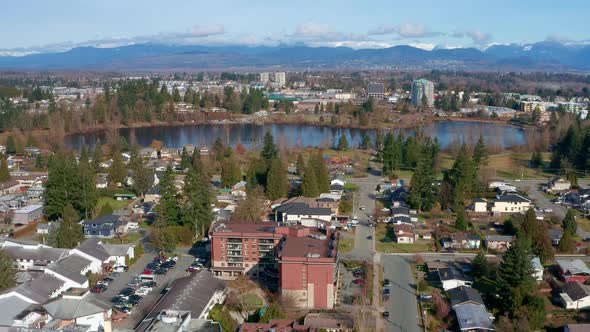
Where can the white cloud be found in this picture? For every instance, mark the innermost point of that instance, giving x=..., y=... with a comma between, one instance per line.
x=424, y=46
x=478, y=37
x=406, y=30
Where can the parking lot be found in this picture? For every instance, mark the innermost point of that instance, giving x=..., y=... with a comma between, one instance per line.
x=351, y=290
x=149, y=300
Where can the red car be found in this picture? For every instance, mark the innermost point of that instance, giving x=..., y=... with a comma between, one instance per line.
x=359, y=281
x=98, y=289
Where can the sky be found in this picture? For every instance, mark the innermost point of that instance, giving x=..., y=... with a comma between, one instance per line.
x=31, y=26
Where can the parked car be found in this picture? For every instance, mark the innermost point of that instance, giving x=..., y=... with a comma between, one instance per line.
x=98, y=289
x=386, y=291
x=359, y=281
x=386, y=283
x=127, y=291
x=120, y=268
x=385, y=314
x=363, y=208
x=149, y=284
x=425, y=297
x=370, y=237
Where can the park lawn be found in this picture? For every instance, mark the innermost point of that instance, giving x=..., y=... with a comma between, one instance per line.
x=345, y=245
x=115, y=204
x=127, y=239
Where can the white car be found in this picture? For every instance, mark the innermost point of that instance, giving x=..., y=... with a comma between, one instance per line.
x=120, y=268
x=354, y=221
x=548, y=210
x=362, y=208
x=143, y=291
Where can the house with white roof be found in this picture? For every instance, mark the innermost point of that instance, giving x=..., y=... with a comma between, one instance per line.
x=510, y=203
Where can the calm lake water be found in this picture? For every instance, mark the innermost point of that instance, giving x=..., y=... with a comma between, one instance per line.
x=448, y=133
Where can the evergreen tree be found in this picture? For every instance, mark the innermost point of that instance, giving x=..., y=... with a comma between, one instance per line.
x=69, y=233
x=249, y=209
x=309, y=184
x=169, y=208
x=537, y=160
x=277, y=184
x=196, y=210
x=143, y=178
x=567, y=243
x=366, y=142
x=11, y=147
x=300, y=164
x=422, y=192
x=85, y=183
x=343, y=143
x=322, y=175
x=40, y=161
x=97, y=158
x=117, y=171
x=480, y=153
x=230, y=172
x=4, y=171
x=185, y=159
x=515, y=279
x=7, y=271
x=569, y=224
x=480, y=267
x=379, y=140
x=461, y=178
x=538, y=234
x=218, y=149
x=269, y=149
x=462, y=222
x=257, y=172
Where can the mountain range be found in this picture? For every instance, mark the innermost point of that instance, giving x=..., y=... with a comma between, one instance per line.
x=541, y=56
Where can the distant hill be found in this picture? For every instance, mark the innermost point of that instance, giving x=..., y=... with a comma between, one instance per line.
x=541, y=56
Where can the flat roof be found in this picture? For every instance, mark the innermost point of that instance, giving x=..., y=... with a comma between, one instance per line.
x=307, y=246
x=29, y=208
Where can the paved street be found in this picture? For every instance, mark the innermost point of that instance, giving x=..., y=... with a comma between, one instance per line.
x=403, y=306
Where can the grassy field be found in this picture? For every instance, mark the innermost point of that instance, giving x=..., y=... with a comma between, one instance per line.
x=388, y=246
x=129, y=238
x=115, y=204
x=345, y=245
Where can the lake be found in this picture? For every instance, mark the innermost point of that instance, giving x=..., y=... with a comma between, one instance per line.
x=448, y=133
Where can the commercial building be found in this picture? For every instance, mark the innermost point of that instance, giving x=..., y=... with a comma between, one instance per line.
x=304, y=260
x=422, y=88
x=375, y=90
x=511, y=203
x=281, y=78
x=264, y=78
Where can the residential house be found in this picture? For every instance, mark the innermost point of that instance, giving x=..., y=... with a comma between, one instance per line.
x=510, y=203
x=101, y=182
x=538, y=267
x=558, y=185
x=479, y=205
x=473, y=318
x=299, y=212
x=106, y=226
x=464, y=295
x=152, y=195
x=28, y=214
x=574, y=295
x=555, y=234
x=452, y=277
x=238, y=190
x=573, y=270
x=498, y=242
x=103, y=255
x=71, y=270
x=9, y=187
x=403, y=233
x=402, y=211
x=76, y=307
x=462, y=241
x=399, y=196
x=35, y=192
x=34, y=257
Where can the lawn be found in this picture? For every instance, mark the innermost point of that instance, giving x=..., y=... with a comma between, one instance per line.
x=115, y=204
x=345, y=245
x=385, y=242
x=129, y=238
x=253, y=300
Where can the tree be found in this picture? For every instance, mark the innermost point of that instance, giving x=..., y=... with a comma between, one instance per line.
x=169, y=208
x=462, y=222
x=117, y=171
x=4, y=171
x=480, y=267
x=422, y=192
x=97, y=158
x=11, y=147
x=230, y=172
x=480, y=153
x=239, y=297
x=442, y=307
x=250, y=208
x=69, y=233
x=143, y=178
x=366, y=142
x=163, y=239
x=185, y=159
x=537, y=160
x=218, y=149
x=196, y=210
x=461, y=178
x=7, y=271
x=343, y=143
x=538, y=234
x=309, y=184
x=569, y=224
x=269, y=150
x=567, y=243
x=300, y=164
x=322, y=175
x=515, y=279
x=277, y=185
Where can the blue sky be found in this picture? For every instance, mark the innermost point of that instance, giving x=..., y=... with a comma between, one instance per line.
x=35, y=25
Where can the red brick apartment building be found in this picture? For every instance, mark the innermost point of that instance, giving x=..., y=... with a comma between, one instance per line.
x=304, y=260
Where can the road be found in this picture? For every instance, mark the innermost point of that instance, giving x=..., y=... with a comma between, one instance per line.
x=403, y=306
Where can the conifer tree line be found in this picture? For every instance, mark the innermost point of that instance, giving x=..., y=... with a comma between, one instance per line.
x=571, y=154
